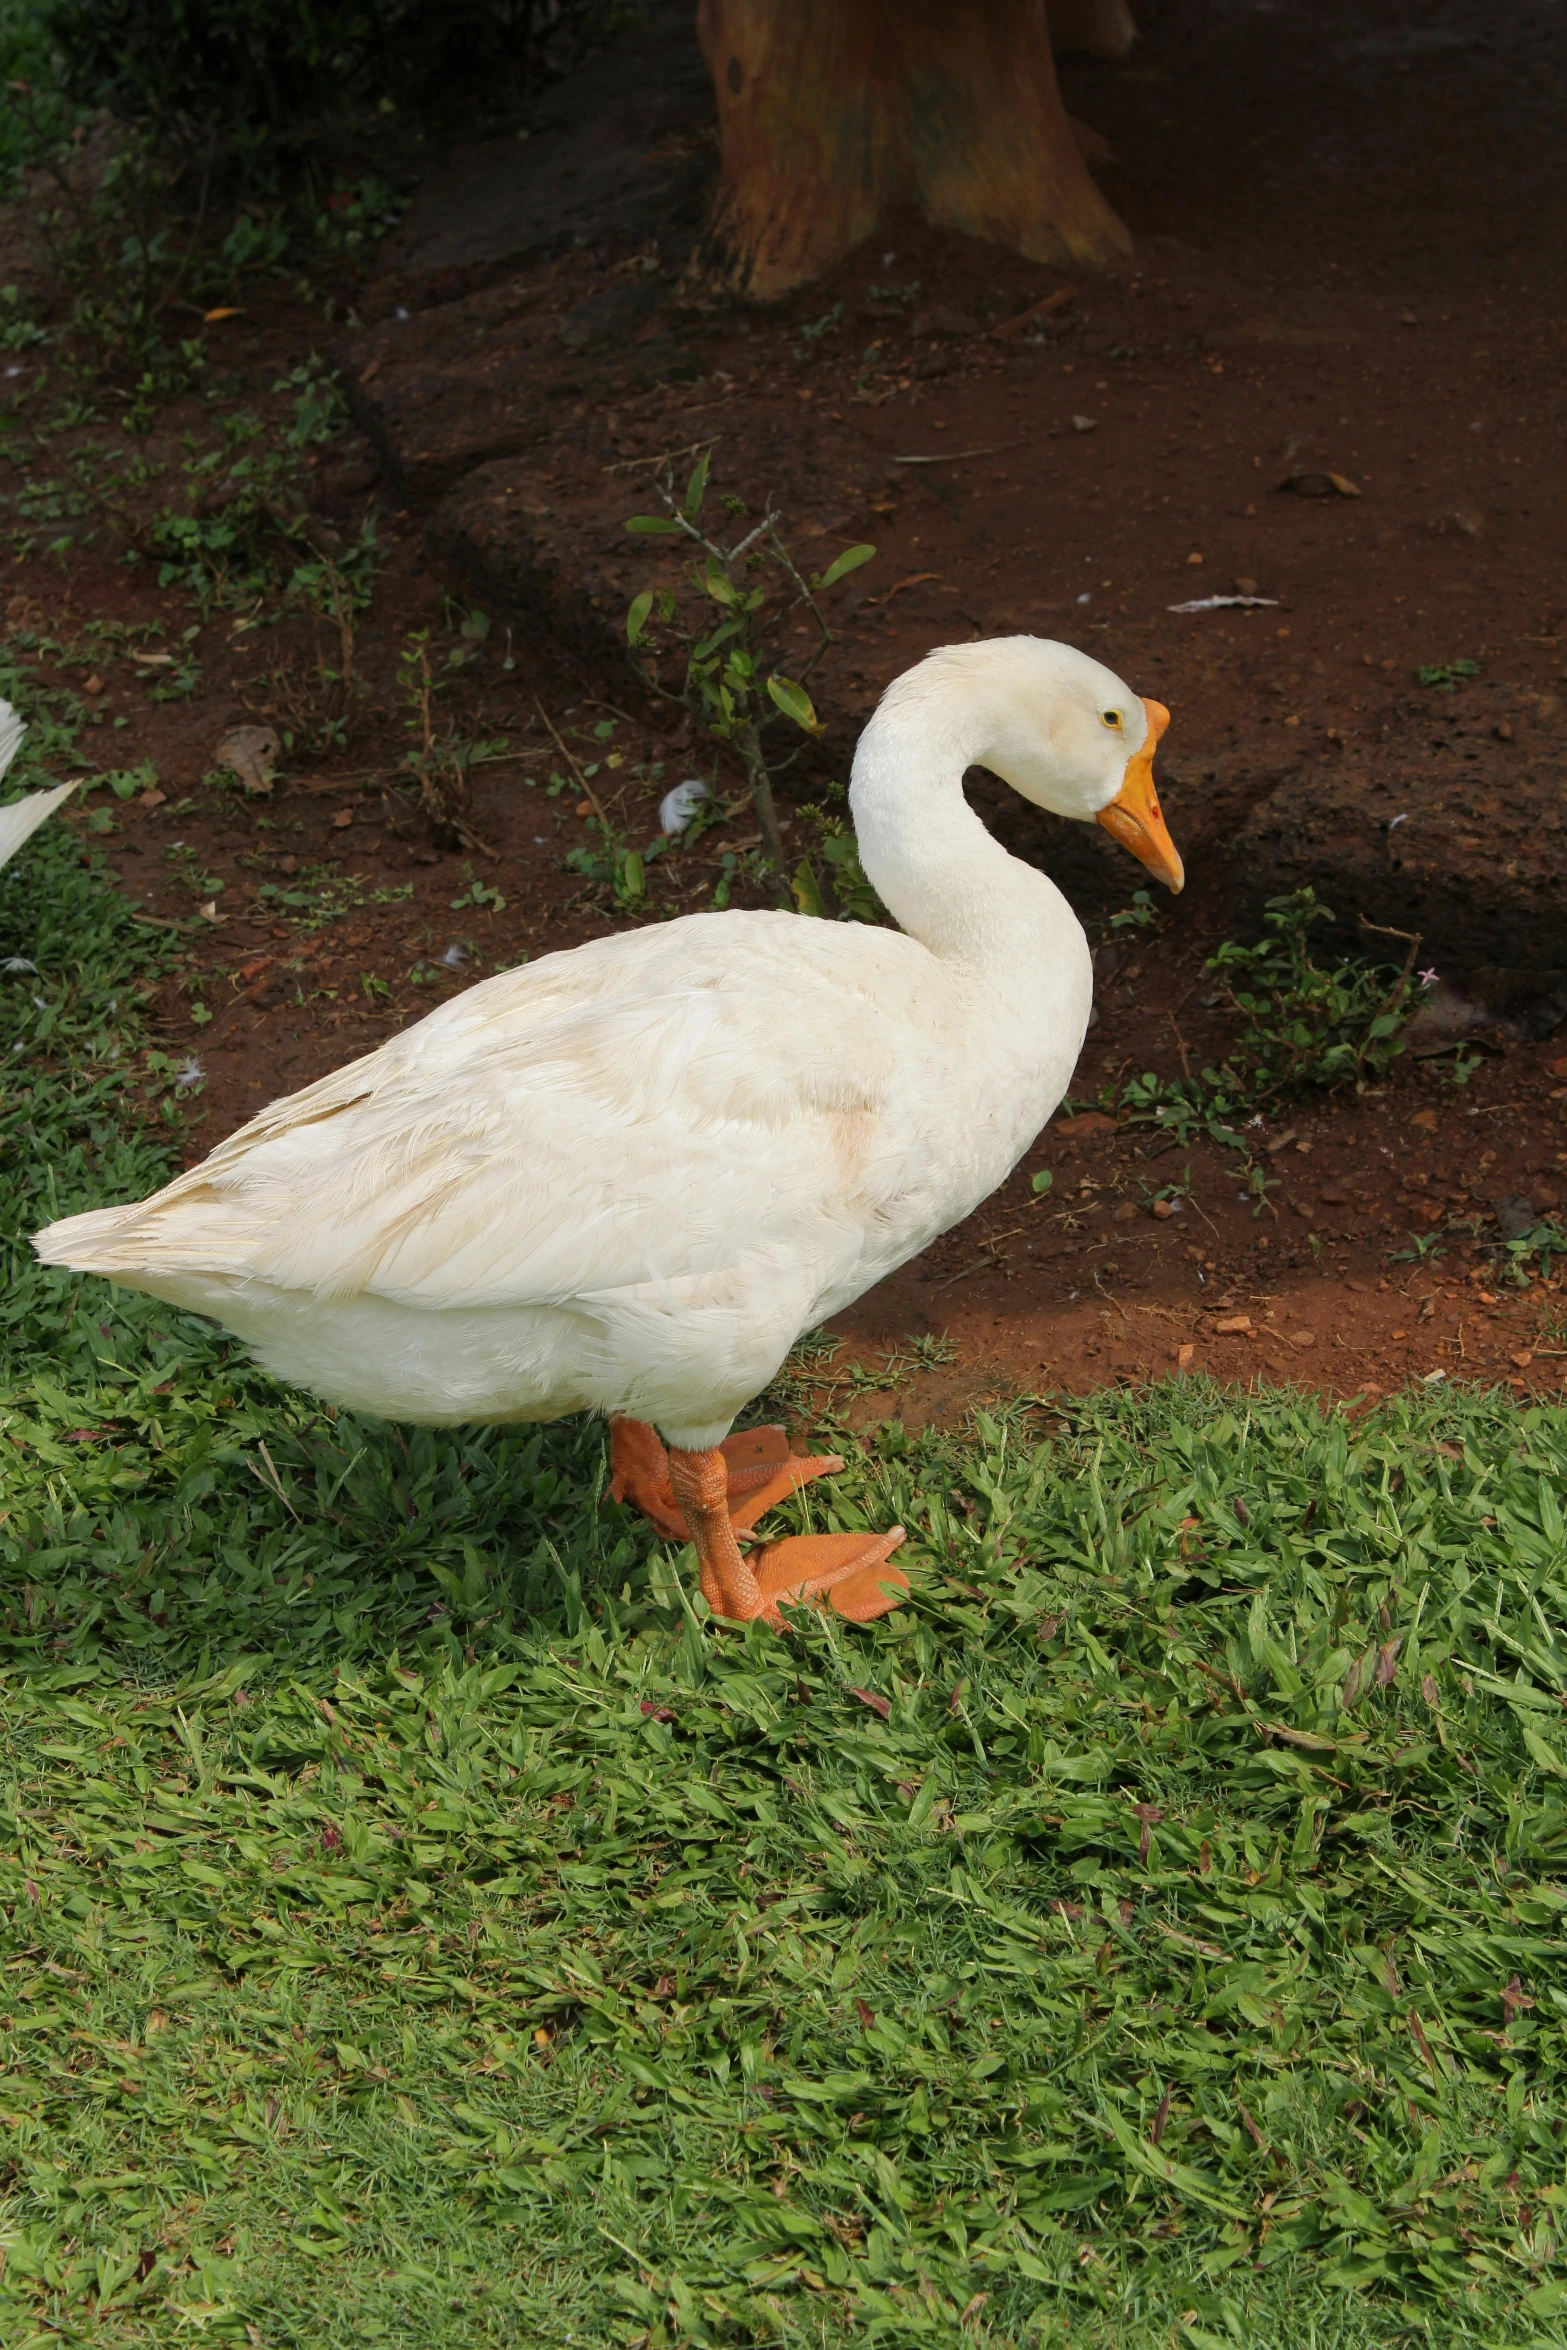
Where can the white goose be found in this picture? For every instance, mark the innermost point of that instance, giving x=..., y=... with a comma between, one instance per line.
x=625, y=1178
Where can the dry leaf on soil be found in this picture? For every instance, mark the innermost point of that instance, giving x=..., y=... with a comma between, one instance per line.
x=250, y=752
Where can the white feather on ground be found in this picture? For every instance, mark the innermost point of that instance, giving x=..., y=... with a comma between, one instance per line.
x=22, y=818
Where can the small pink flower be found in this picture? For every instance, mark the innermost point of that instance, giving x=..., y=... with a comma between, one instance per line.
x=1428, y=979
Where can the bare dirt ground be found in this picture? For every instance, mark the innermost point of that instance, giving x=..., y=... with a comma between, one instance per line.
x=1350, y=263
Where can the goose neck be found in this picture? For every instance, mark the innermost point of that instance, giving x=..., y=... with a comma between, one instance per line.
x=941, y=875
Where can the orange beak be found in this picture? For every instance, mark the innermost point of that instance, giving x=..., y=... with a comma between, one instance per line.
x=1134, y=814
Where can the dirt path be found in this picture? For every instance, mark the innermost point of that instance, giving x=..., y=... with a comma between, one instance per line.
x=1350, y=263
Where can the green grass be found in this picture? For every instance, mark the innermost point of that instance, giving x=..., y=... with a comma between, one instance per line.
x=423, y=1926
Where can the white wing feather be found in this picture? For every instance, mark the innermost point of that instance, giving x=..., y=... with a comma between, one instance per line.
x=621, y=1116
x=11, y=733
x=22, y=818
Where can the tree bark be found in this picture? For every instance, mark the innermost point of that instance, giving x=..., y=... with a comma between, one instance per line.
x=832, y=110
x=1092, y=28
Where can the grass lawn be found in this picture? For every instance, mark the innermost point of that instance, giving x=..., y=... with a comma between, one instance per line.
x=422, y=1925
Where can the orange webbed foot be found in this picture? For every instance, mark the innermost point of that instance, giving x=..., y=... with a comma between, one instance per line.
x=759, y=1471
x=762, y=1470
x=639, y=1473
x=848, y=1571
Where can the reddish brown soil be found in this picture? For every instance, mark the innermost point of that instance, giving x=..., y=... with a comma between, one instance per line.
x=1349, y=259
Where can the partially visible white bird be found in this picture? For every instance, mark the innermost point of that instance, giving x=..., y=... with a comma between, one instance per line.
x=22, y=818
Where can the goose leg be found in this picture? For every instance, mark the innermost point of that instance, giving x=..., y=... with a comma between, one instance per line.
x=849, y=1570
x=760, y=1470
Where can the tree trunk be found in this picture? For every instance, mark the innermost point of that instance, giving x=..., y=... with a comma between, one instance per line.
x=1092, y=28
x=831, y=110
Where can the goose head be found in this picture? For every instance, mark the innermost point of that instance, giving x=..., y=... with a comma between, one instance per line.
x=1066, y=733
x=1069, y=735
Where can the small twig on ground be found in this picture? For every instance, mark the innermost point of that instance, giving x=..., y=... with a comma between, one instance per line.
x=1036, y=310
x=1207, y=1219
x=615, y=710
x=665, y=456
x=956, y=456
x=588, y=793
x=1398, y=993
x=987, y=1264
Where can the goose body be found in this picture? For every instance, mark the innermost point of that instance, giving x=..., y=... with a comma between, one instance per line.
x=626, y=1177
x=605, y=1181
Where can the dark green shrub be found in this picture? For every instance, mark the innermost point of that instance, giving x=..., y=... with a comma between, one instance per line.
x=32, y=111
x=267, y=73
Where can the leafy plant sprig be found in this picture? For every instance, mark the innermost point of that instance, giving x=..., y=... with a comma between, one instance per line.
x=853, y=895
x=438, y=761
x=1307, y=1026
x=612, y=863
x=729, y=678
x=1311, y=1024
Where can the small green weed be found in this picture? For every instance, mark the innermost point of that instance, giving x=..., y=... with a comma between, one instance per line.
x=812, y=334
x=1178, y=1189
x=725, y=662
x=18, y=332
x=246, y=532
x=853, y=897
x=1306, y=1026
x=1309, y=1025
x=1141, y=914
x=893, y=294
x=929, y=1349
x=324, y=893
x=609, y=863
x=1447, y=676
x=189, y=873
x=1532, y=1254
x=479, y=893
x=358, y=213
x=440, y=760
x=180, y=681
x=746, y=868
x=126, y=782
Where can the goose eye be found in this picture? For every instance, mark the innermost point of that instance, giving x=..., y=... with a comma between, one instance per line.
x=1111, y=717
